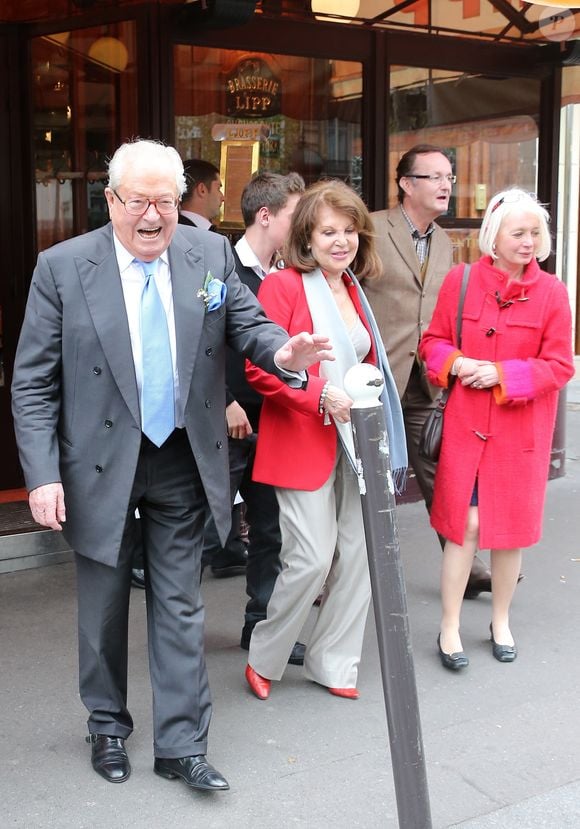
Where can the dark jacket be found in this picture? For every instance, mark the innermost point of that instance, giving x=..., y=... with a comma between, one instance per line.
x=238, y=387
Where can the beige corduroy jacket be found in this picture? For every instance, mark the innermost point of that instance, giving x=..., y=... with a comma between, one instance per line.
x=402, y=303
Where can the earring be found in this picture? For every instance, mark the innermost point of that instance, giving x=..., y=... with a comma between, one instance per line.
x=493, y=251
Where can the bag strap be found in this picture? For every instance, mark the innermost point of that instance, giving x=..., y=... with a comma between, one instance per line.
x=464, y=281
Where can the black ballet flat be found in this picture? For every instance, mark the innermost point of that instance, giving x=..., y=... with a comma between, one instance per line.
x=452, y=661
x=503, y=653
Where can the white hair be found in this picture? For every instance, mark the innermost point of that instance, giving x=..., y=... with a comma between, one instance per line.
x=504, y=204
x=140, y=151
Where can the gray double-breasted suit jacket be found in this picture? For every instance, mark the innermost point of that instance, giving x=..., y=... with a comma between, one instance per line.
x=402, y=302
x=75, y=398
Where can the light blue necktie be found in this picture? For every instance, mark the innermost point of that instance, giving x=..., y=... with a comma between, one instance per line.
x=157, y=404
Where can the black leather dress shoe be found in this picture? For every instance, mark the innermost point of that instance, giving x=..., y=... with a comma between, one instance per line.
x=478, y=583
x=295, y=658
x=297, y=655
x=481, y=584
x=194, y=771
x=109, y=757
x=503, y=653
x=228, y=570
x=233, y=566
x=452, y=661
x=138, y=578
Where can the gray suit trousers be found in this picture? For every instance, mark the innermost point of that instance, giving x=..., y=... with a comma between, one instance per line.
x=171, y=501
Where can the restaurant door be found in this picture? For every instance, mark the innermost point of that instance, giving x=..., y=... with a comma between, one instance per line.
x=323, y=99
x=82, y=89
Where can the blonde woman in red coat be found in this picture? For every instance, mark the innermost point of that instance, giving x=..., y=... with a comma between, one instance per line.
x=516, y=353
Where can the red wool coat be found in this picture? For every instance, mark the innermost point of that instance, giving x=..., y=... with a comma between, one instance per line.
x=503, y=435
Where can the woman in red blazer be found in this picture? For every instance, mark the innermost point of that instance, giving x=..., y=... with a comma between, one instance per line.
x=516, y=353
x=305, y=447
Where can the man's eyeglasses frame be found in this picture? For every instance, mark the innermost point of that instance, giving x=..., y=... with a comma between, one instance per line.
x=162, y=212
x=434, y=177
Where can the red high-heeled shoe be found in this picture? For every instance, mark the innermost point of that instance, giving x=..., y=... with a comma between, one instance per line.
x=259, y=684
x=347, y=693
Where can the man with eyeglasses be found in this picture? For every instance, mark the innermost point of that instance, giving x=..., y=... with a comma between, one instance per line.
x=119, y=403
x=199, y=206
x=416, y=255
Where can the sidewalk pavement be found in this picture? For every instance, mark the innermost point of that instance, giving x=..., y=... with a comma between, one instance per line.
x=501, y=741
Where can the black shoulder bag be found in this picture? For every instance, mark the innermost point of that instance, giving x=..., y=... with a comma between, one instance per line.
x=432, y=432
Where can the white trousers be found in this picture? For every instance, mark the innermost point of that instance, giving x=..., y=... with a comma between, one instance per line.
x=322, y=542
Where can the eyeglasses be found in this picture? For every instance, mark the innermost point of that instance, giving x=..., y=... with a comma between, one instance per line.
x=436, y=178
x=512, y=198
x=137, y=207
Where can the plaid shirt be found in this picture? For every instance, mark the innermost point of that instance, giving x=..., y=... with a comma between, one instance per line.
x=421, y=240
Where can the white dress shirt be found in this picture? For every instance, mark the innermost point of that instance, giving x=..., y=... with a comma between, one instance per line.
x=199, y=221
x=248, y=258
x=132, y=282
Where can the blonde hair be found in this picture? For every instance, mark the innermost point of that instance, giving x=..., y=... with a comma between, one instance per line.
x=337, y=195
x=504, y=204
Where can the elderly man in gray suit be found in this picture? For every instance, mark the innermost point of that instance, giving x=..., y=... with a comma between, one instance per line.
x=118, y=402
x=416, y=255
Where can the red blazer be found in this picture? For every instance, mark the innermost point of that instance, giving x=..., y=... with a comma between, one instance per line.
x=295, y=449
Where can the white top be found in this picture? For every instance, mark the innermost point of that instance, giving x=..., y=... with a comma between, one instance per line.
x=132, y=282
x=199, y=221
x=248, y=258
x=360, y=339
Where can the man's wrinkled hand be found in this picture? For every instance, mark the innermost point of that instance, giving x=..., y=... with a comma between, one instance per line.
x=47, y=505
x=302, y=351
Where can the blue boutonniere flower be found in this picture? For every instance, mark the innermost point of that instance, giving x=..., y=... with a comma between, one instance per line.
x=213, y=293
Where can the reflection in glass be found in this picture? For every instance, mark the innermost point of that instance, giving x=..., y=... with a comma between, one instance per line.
x=84, y=106
x=311, y=108
x=489, y=127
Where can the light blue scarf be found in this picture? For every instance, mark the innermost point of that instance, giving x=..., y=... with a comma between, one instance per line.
x=327, y=321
